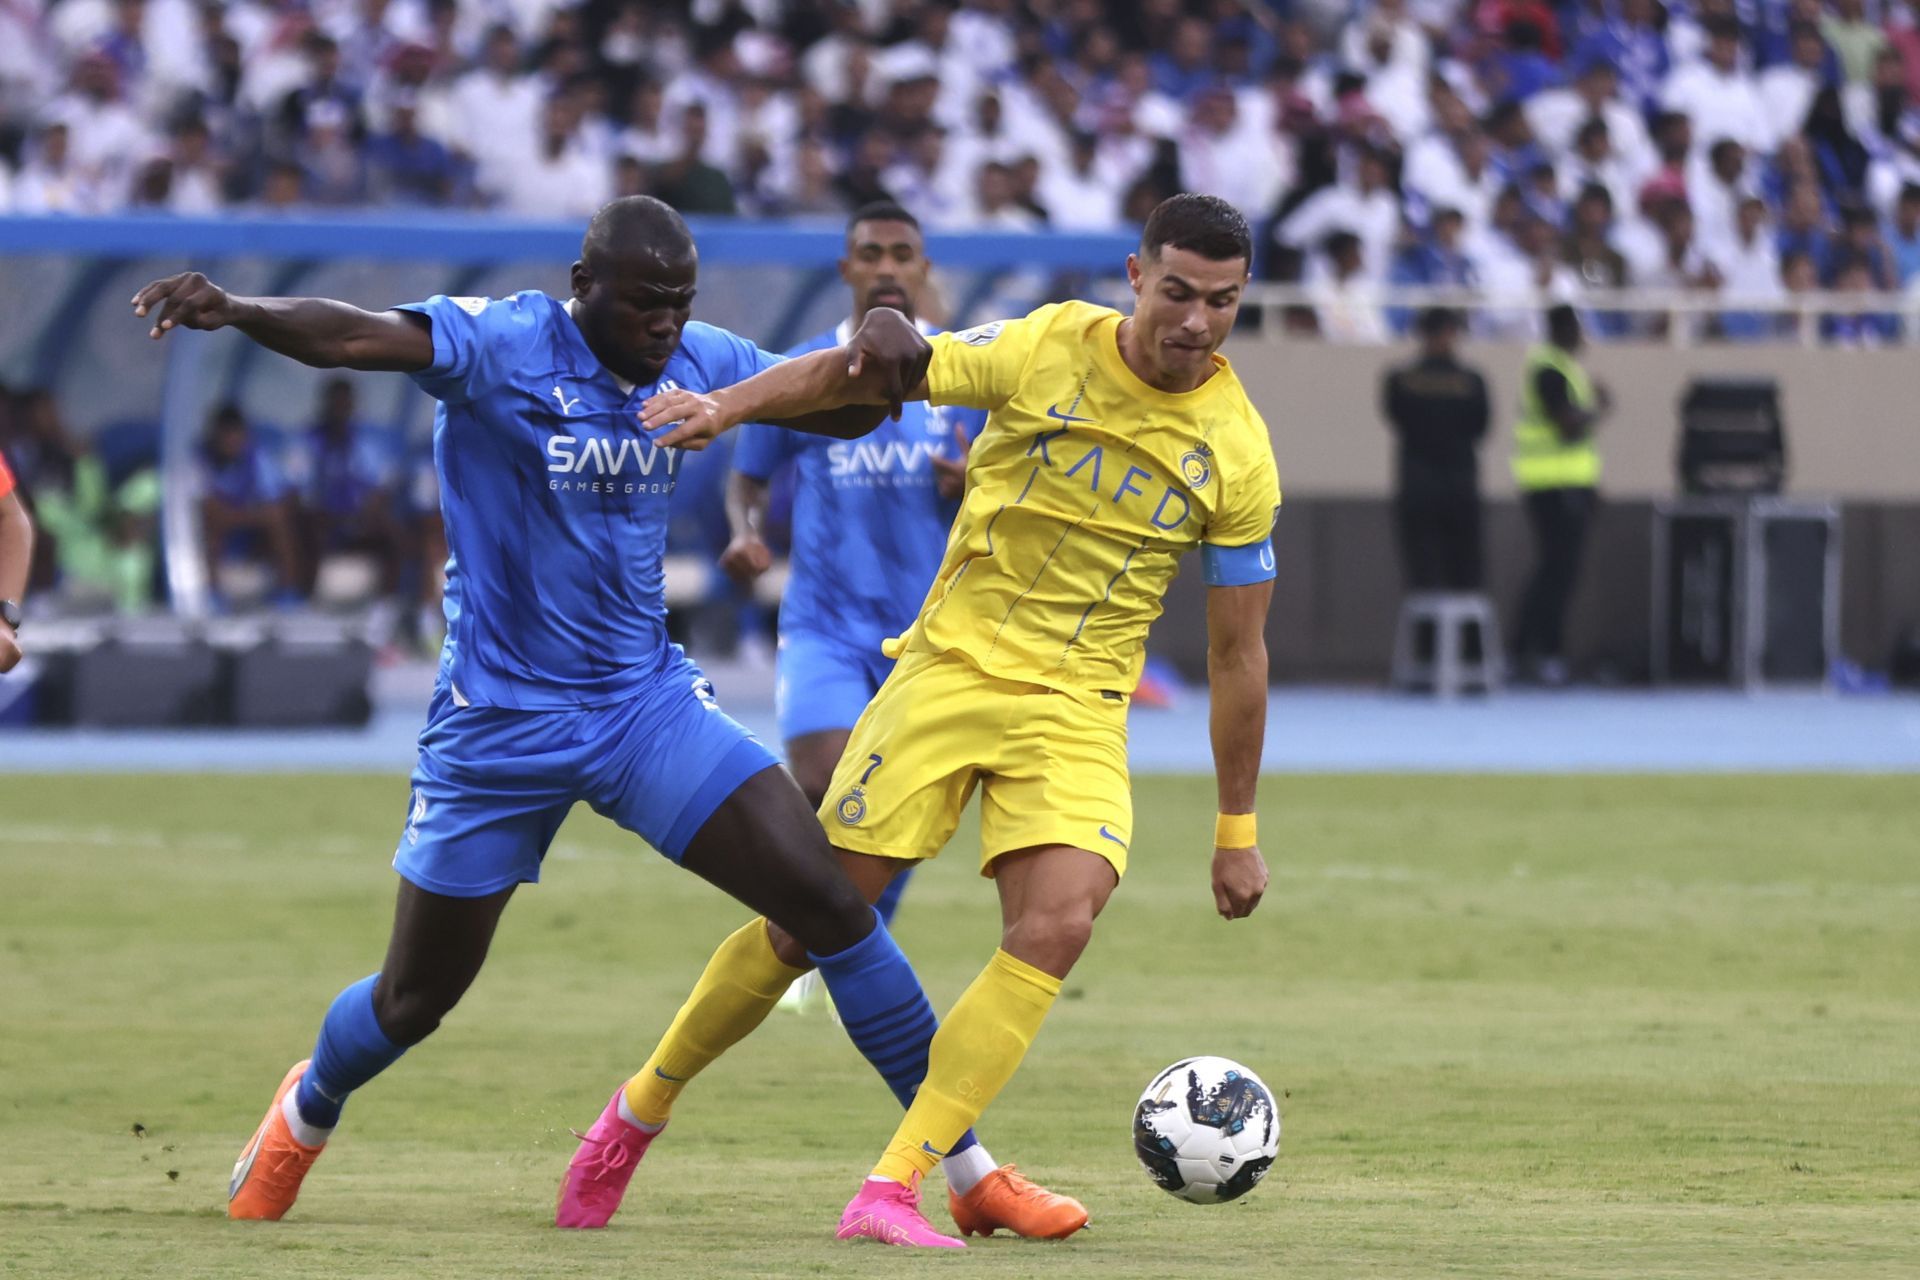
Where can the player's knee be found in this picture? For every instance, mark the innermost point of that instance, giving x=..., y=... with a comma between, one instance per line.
x=1050, y=938
x=787, y=947
x=835, y=918
x=408, y=1014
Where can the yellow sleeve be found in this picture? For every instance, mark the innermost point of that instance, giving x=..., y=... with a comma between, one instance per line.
x=981, y=367
x=1253, y=498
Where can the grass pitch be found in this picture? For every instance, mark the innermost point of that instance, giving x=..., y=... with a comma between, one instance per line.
x=1525, y=1027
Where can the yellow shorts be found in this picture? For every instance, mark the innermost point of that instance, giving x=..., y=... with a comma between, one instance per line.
x=1051, y=766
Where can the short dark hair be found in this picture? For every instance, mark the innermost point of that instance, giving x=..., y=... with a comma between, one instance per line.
x=1206, y=225
x=881, y=211
x=1435, y=321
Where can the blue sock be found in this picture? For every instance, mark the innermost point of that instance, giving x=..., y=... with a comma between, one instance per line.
x=352, y=1050
x=890, y=899
x=885, y=1011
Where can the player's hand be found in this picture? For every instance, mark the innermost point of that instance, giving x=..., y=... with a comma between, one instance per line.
x=745, y=559
x=887, y=350
x=9, y=649
x=701, y=417
x=950, y=474
x=1239, y=879
x=186, y=301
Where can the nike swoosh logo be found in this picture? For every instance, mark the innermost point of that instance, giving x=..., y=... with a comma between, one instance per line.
x=1109, y=835
x=1053, y=411
x=932, y=1150
x=671, y=1079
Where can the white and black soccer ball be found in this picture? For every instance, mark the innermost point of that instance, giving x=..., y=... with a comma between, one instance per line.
x=1206, y=1130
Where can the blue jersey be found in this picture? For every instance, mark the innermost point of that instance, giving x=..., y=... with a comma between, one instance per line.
x=554, y=500
x=869, y=525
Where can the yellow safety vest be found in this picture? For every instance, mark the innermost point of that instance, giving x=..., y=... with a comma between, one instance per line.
x=1542, y=457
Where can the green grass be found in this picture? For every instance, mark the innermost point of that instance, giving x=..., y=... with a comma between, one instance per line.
x=1525, y=1027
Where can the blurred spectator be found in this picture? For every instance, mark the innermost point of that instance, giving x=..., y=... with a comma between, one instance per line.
x=333, y=167
x=1748, y=266
x=104, y=136
x=344, y=479
x=1632, y=37
x=1804, y=228
x=1242, y=161
x=1903, y=235
x=1839, y=157
x=1787, y=88
x=1716, y=95
x=1082, y=195
x=1863, y=328
x=1594, y=163
x=405, y=167
x=1588, y=250
x=98, y=529
x=1861, y=246
x=246, y=513
x=1438, y=409
x=688, y=182
x=1856, y=40
x=1345, y=307
x=1715, y=189
x=498, y=109
x=49, y=181
x=1360, y=202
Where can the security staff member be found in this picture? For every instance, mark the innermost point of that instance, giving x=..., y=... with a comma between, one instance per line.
x=1557, y=470
x=1438, y=410
x=16, y=557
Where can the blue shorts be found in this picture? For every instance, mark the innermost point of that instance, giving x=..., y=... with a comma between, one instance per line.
x=822, y=683
x=493, y=785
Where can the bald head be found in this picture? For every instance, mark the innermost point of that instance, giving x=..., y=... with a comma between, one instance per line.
x=633, y=286
x=635, y=228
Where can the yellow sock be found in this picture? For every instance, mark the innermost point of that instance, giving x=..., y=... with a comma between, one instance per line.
x=976, y=1051
x=743, y=982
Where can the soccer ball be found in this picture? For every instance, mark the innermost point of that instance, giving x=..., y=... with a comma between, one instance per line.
x=1206, y=1130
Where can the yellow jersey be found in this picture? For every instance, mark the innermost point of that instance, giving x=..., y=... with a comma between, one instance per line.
x=1083, y=491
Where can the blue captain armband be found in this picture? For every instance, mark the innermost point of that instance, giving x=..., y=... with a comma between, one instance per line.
x=1237, y=566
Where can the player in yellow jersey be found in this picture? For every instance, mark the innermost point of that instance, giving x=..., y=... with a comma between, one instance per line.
x=1114, y=444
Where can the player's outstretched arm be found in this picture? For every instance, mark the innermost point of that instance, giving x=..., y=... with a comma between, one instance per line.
x=315, y=331
x=1237, y=679
x=842, y=391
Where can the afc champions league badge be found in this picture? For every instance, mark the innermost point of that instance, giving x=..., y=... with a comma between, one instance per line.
x=1196, y=466
x=853, y=806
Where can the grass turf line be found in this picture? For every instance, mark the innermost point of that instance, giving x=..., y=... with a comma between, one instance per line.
x=1555, y=1027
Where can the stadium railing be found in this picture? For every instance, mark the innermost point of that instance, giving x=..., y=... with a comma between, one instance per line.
x=1676, y=317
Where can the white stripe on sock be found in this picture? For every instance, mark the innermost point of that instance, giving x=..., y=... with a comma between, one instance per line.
x=626, y=1114
x=303, y=1133
x=965, y=1169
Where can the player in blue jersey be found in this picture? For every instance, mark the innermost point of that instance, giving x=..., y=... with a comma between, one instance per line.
x=870, y=520
x=557, y=682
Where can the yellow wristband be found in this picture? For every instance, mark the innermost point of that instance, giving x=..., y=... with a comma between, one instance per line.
x=1235, y=831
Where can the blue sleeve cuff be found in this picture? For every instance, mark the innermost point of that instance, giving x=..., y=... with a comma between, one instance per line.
x=443, y=354
x=1238, y=566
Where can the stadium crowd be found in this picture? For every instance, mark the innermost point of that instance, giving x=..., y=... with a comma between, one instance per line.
x=1760, y=148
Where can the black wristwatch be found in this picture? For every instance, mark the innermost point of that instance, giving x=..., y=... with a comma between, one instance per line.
x=10, y=613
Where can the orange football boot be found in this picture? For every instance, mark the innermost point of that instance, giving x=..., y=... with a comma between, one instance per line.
x=267, y=1176
x=1006, y=1199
